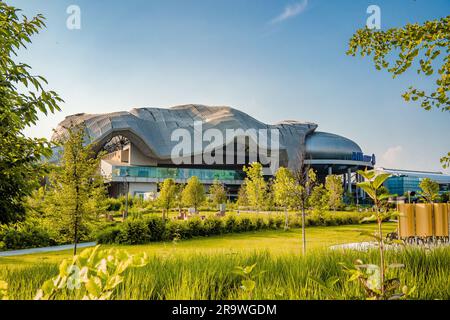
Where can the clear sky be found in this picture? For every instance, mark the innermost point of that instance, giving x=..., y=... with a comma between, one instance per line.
x=274, y=60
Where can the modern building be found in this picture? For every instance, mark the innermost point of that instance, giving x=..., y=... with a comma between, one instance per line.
x=147, y=145
x=403, y=181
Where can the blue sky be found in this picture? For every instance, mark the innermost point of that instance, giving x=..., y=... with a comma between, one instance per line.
x=272, y=59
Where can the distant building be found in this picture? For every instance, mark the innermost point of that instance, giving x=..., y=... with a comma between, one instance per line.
x=403, y=181
x=140, y=147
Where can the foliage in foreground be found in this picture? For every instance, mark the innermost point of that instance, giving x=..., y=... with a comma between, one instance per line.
x=20, y=155
x=92, y=275
x=398, y=49
x=212, y=276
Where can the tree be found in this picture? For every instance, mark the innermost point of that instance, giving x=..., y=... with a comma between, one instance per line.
x=194, y=193
x=283, y=190
x=333, y=185
x=319, y=199
x=242, y=199
x=20, y=156
x=305, y=179
x=179, y=196
x=76, y=186
x=429, y=43
x=430, y=190
x=217, y=193
x=255, y=186
x=166, y=197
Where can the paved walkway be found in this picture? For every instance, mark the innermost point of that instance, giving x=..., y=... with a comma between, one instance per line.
x=45, y=249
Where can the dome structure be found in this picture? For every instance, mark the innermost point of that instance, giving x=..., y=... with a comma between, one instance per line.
x=324, y=145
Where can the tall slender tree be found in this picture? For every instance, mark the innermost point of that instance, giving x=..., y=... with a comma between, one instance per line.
x=76, y=186
x=335, y=190
x=283, y=188
x=194, y=193
x=255, y=186
x=167, y=196
x=305, y=179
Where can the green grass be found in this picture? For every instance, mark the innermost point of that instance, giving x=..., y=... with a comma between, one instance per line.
x=200, y=276
x=203, y=268
x=275, y=242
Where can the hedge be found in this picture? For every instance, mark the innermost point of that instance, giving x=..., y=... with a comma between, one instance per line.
x=24, y=235
x=151, y=229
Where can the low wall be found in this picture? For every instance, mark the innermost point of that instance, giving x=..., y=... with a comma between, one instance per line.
x=424, y=220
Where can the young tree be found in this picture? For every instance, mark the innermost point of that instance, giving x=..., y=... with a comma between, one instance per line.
x=283, y=189
x=194, y=193
x=77, y=186
x=430, y=190
x=427, y=43
x=242, y=199
x=319, y=199
x=20, y=156
x=305, y=179
x=217, y=193
x=333, y=185
x=167, y=196
x=179, y=196
x=255, y=186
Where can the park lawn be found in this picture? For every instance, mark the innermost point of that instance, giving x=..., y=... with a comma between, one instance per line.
x=276, y=242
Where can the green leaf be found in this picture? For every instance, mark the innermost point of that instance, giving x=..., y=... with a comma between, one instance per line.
x=380, y=179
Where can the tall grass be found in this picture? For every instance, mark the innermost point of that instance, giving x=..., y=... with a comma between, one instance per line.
x=285, y=277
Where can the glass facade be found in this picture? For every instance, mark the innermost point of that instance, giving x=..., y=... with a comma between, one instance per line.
x=400, y=185
x=176, y=173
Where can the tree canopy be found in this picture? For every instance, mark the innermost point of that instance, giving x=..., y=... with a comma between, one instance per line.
x=429, y=43
x=22, y=97
x=194, y=193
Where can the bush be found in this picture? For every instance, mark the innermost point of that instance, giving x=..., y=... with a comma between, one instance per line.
x=113, y=204
x=212, y=226
x=195, y=226
x=24, y=235
x=153, y=228
x=176, y=230
x=230, y=225
x=134, y=232
x=108, y=235
x=156, y=227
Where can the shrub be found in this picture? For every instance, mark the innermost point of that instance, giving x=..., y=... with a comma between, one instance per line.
x=156, y=227
x=212, y=226
x=23, y=235
x=176, y=230
x=245, y=224
x=134, y=231
x=230, y=225
x=108, y=235
x=113, y=204
x=196, y=227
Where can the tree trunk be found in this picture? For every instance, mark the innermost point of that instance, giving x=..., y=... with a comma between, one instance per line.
x=303, y=231
x=286, y=222
x=75, y=240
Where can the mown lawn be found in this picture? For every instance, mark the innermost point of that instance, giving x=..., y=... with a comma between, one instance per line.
x=203, y=268
x=274, y=242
